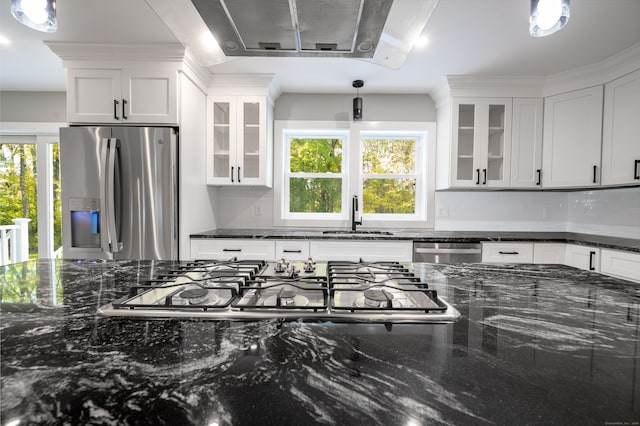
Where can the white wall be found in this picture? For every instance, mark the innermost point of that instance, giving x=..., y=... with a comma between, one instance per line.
x=197, y=200
x=236, y=207
x=338, y=107
x=33, y=107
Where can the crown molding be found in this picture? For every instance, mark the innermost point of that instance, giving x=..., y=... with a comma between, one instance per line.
x=102, y=52
x=239, y=84
x=440, y=95
x=495, y=85
x=200, y=75
x=602, y=72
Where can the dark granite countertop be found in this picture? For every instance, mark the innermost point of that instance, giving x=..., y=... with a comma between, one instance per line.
x=538, y=345
x=627, y=244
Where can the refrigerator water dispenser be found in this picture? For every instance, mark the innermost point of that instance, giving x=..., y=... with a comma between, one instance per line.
x=85, y=222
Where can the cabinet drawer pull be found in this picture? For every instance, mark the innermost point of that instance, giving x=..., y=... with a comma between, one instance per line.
x=636, y=170
x=477, y=176
x=508, y=252
x=231, y=174
x=484, y=181
x=231, y=249
x=115, y=109
x=539, y=172
x=238, y=174
x=595, y=168
x=124, y=114
x=292, y=251
x=591, y=258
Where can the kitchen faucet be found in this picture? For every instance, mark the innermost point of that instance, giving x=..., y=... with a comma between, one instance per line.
x=354, y=209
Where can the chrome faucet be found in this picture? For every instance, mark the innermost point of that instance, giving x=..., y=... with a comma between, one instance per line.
x=354, y=209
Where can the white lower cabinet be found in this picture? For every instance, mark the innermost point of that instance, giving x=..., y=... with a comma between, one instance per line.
x=621, y=264
x=292, y=249
x=227, y=248
x=582, y=257
x=507, y=252
x=368, y=251
x=549, y=253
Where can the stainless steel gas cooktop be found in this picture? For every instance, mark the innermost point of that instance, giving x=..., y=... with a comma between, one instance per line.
x=386, y=292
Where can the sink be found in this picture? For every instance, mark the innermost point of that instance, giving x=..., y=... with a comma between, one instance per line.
x=357, y=232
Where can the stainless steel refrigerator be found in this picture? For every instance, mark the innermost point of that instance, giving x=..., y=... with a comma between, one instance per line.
x=119, y=192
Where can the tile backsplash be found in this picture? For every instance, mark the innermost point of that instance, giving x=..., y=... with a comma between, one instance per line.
x=613, y=212
x=501, y=211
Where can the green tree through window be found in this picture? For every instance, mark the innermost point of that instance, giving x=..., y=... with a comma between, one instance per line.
x=388, y=168
x=19, y=189
x=313, y=187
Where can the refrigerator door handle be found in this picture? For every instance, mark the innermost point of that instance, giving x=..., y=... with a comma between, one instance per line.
x=112, y=235
x=104, y=162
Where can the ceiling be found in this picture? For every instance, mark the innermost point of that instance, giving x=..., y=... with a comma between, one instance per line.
x=481, y=37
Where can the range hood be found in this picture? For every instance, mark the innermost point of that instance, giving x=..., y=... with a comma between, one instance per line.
x=379, y=31
x=298, y=28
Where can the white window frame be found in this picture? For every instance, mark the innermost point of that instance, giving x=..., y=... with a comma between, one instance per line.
x=289, y=134
x=418, y=175
x=44, y=135
x=425, y=167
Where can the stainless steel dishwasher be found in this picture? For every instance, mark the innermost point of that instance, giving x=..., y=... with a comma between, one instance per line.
x=447, y=252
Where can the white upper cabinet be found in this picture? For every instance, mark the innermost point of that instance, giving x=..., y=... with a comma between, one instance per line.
x=124, y=96
x=481, y=142
x=620, y=136
x=526, y=143
x=239, y=140
x=572, y=139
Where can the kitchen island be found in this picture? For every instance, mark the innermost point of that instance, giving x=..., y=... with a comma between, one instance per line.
x=535, y=344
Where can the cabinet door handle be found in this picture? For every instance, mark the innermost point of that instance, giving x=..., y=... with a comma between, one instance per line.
x=292, y=251
x=636, y=170
x=595, y=171
x=231, y=249
x=484, y=182
x=124, y=114
x=238, y=174
x=508, y=252
x=115, y=109
x=231, y=173
x=477, y=176
x=592, y=255
x=539, y=172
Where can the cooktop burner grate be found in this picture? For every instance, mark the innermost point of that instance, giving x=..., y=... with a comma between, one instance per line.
x=274, y=293
x=191, y=296
x=252, y=290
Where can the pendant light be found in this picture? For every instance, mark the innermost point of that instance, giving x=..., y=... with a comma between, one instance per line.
x=357, y=101
x=37, y=14
x=548, y=16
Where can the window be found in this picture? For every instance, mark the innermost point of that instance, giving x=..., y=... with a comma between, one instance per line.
x=315, y=177
x=325, y=164
x=29, y=174
x=390, y=174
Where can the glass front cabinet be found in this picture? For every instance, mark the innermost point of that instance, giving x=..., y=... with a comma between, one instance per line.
x=481, y=142
x=238, y=141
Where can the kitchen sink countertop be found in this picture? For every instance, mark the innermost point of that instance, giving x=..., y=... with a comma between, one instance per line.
x=535, y=344
x=628, y=244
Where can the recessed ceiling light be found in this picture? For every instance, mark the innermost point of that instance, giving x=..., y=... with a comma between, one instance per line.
x=4, y=40
x=208, y=40
x=421, y=41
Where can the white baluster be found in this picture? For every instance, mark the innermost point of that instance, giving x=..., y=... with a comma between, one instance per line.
x=21, y=239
